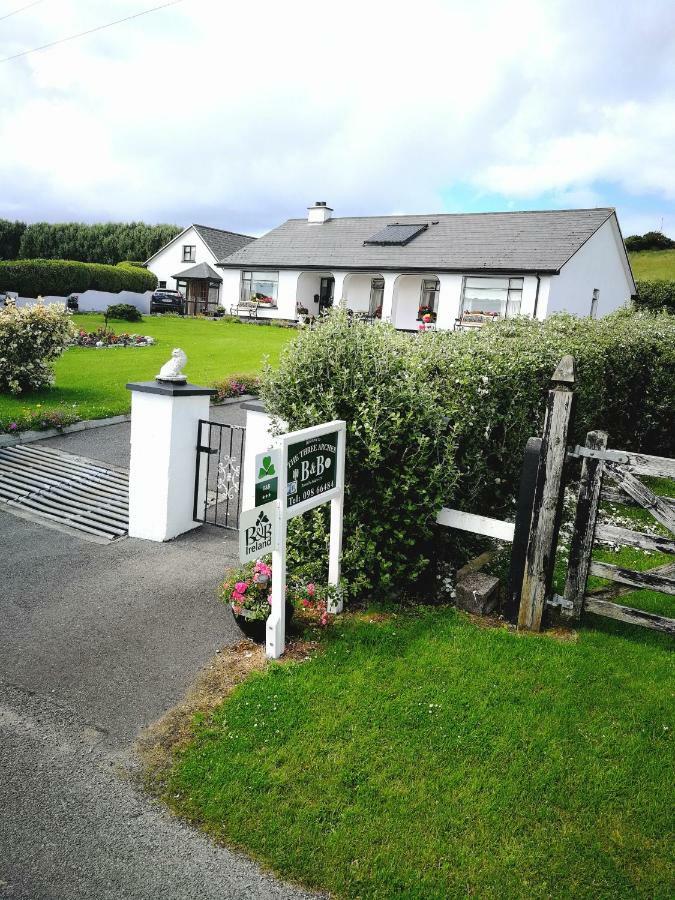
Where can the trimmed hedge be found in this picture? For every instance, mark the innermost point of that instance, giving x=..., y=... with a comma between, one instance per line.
x=60, y=277
x=655, y=295
x=442, y=418
x=124, y=311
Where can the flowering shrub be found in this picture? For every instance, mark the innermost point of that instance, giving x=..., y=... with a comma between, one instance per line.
x=442, y=418
x=655, y=295
x=399, y=452
x=30, y=338
x=237, y=386
x=248, y=590
x=39, y=420
x=101, y=337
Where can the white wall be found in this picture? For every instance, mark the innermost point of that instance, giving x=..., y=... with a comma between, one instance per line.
x=407, y=293
x=356, y=290
x=598, y=264
x=449, y=301
x=97, y=301
x=169, y=260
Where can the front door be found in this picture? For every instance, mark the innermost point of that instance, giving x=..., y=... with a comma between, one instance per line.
x=326, y=290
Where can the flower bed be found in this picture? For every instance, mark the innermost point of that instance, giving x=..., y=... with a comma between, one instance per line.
x=236, y=386
x=39, y=419
x=102, y=338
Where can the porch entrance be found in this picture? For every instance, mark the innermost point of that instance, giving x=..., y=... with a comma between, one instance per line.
x=326, y=293
x=200, y=286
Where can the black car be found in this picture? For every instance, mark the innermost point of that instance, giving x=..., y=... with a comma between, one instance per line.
x=164, y=300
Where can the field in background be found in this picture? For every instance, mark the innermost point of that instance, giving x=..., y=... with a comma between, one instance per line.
x=91, y=383
x=653, y=265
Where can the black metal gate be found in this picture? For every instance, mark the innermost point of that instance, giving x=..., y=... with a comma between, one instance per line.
x=217, y=497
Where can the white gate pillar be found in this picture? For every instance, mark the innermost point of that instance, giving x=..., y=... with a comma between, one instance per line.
x=164, y=425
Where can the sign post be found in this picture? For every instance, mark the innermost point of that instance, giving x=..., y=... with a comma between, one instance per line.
x=310, y=469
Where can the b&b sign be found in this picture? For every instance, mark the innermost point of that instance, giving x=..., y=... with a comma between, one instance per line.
x=258, y=529
x=311, y=469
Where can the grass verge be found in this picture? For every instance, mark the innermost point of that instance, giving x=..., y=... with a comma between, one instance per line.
x=419, y=755
x=653, y=265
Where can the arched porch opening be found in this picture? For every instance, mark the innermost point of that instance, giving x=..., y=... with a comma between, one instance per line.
x=415, y=296
x=315, y=292
x=363, y=293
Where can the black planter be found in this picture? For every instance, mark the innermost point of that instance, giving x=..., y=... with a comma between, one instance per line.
x=255, y=628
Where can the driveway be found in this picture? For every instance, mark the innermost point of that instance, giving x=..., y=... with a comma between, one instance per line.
x=97, y=641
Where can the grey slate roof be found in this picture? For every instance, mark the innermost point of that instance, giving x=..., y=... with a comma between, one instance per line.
x=201, y=270
x=514, y=242
x=222, y=243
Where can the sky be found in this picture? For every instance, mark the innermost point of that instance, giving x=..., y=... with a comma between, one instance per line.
x=240, y=115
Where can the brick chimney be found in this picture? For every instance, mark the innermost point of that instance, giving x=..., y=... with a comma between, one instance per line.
x=319, y=213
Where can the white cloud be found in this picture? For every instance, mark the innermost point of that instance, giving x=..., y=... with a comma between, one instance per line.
x=241, y=115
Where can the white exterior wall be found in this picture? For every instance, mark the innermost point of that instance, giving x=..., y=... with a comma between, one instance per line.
x=169, y=260
x=286, y=293
x=407, y=292
x=97, y=301
x=449, y=301
x=601, y=264
x=356, y=290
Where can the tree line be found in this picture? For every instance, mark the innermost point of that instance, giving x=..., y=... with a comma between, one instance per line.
x=110, y=242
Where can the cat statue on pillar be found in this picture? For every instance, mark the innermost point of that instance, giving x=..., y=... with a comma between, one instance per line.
x=172, y=370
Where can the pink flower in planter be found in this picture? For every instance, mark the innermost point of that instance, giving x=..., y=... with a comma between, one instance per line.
x=269, y=599
x=311, y=589
x=236, y=609
x=306, y=603
x=237, y=597
x=263, y=568
x=324, y=619
x=240, y=587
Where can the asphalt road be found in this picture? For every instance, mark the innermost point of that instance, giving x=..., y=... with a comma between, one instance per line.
x=96, y=641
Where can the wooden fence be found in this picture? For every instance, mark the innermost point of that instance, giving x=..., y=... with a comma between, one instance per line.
x=534, y=534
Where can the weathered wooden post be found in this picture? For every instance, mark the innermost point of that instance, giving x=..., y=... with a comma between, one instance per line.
x=584, y=526
x=540, y=559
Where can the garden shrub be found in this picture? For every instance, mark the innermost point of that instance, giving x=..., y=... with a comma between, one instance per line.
x=30, y=338
x=493, y=385
x=655, y=295
x=124, y=311
x=442, y=418
x=60, y=277
x=399, y=454
x=39, y=420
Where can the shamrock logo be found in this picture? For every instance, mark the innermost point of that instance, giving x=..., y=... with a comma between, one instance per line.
x=267, y=468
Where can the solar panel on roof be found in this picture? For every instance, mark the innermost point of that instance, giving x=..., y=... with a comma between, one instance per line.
x=396, y=235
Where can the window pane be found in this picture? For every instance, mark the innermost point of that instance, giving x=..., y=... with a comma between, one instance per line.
x=482, y=282
x=516, y=283
x=486, y=295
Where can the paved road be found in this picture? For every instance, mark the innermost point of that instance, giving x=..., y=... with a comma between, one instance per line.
x=96, y=641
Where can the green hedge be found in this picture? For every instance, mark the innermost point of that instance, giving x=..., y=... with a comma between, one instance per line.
x=655, y=295
x=442, y=419
x=60, y=277
x=493, y=385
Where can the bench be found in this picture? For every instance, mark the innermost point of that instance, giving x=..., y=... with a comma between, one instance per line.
x=245, y=308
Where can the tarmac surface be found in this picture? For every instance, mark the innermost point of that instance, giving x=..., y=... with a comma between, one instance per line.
x=96, y=642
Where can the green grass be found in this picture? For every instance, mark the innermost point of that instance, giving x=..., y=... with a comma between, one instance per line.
x=92, y=382
x=422, y=756
x=653, y=265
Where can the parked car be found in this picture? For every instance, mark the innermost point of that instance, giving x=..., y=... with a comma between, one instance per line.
x=164, y=300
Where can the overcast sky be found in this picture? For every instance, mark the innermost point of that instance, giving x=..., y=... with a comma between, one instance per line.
x=239, y=115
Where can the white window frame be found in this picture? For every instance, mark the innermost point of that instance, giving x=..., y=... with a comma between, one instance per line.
x=246, y=286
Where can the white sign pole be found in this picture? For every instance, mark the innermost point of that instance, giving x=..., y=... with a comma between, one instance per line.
x=336, y=516
x=276, y=623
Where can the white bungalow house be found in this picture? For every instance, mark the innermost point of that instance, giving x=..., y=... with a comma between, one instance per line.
x=187, y=264
x=461, y=269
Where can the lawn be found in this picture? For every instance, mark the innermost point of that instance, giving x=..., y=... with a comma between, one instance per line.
x=91, y=383
x=422, y=756
x=653, y=265
x=418, y=754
